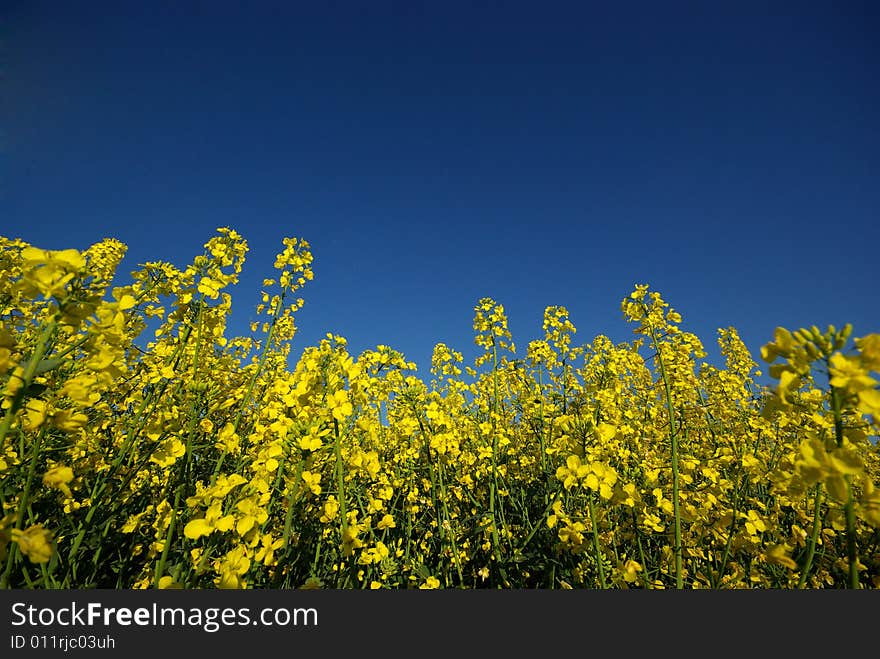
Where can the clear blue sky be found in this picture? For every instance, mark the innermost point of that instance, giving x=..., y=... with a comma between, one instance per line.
x=541, y=153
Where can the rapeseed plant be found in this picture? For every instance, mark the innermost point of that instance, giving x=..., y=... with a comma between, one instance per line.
x=187, y=458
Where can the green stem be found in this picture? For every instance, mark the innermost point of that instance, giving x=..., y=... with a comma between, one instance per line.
x=540, y=523
x=596, y=549
x=814, y=537
x=449, y=534
x=493, y=485
x=340, y=484
x=673, y=440
x=849, y=508
x=247, y=396
x=22, y=505
x=160, y=567
x=541, y=429
x=724, y=558
x=27, y=377
x=291, y=500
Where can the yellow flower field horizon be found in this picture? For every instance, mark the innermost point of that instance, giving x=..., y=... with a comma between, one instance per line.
x=187, y=458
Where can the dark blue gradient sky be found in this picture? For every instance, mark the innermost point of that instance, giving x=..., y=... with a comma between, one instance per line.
x=433, y=153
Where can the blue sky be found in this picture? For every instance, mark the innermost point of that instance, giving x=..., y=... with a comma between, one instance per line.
x=434, y=153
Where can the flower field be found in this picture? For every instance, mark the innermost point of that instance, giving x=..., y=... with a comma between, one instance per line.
x=142, y=447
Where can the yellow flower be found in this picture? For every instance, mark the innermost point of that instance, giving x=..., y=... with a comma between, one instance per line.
x=132, y=522
x=572, y=534
x=311, y=442
x=653, y=522
x=387, y=522
x=251, y=514
x=58, y=477
x=779, y=554
x=232, y=569
x=69, y=420
x=227, y=439
x=35, y=414
x=788, y=382
x=431, y=583
x=266, y=552
x=47, y=273
x=754, y=523
x=869, y=402
x=602, y=479
x=6, y=359
x=313, y=482
x=869, y=503
x=209, y=287
x=847, y=372
x=35, y=542
x=330, y=510
x=869, y=351
x=168, y=583
x=630, y=495
x=573, y=472
x=375, y=554
x=606, y=432
x=781, y=347
x=168, y=451
x=214, y=520
x=366, y=461
x=68, y=258
x=630, y=571
x=339, y=405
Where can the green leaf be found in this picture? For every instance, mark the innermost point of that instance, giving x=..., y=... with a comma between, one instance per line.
x=47, y=365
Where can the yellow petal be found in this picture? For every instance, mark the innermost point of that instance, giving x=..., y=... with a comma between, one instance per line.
x=837, y=487
x=197, y=528
x=224, y=523
x=606, y=431
x=869, y=402
x=845, y=461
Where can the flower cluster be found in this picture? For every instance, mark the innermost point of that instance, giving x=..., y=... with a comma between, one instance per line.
x=141, y=446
